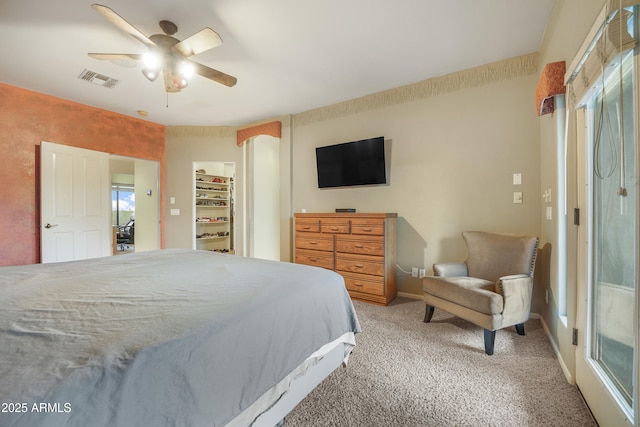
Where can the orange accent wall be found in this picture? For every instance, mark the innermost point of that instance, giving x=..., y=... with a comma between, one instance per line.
x=26, y=119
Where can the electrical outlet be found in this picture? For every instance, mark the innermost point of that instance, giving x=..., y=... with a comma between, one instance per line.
x=421, y=273
x=414, y=272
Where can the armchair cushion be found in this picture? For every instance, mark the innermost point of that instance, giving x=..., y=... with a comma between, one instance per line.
x=471, y=292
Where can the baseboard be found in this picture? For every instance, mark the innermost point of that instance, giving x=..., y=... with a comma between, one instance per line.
x=563, y=366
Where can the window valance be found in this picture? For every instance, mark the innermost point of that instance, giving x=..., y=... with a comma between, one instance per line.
x=608, y=38
x=551, y=83
x=272, y=129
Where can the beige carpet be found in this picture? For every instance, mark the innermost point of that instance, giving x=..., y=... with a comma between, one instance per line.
x=404, y=372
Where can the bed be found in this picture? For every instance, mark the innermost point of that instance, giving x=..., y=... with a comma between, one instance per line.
x=167, y=338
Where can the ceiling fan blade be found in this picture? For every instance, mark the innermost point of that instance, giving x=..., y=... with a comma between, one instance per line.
x=116, y=56
x=204, y=39
x=215, y=75
x=121, y=23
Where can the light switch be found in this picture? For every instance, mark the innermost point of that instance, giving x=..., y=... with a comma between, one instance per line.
x=517, y=179
x=517, y=197
x=549, y=213
x=173, y=201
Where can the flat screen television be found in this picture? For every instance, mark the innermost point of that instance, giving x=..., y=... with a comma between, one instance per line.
x=352, y=163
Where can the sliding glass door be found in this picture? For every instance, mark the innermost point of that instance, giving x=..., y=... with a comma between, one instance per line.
x=614, y=239
x=607, y=359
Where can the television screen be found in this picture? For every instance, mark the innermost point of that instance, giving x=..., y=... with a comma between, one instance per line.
x=351, y=163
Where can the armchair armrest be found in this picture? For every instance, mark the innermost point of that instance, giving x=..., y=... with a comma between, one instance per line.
x=450, y=269
x=516, y=291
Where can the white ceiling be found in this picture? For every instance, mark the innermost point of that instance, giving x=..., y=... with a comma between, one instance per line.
x=289, y=55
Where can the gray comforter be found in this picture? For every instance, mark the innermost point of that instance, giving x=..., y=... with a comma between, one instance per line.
x=161, y=338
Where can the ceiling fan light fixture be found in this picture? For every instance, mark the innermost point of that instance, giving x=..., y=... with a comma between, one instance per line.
x=152, y=65
x=186, y=70
x=180, y=82
x=151, y=74
x=151, y=60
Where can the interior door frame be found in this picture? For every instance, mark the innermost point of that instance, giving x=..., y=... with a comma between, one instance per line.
x=263, y=194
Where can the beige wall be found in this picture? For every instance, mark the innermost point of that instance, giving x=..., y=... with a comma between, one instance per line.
x=452, y=159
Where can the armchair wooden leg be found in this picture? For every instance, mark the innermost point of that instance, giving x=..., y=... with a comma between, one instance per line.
x=489, y=340
x=520, y=328
x=428, y=313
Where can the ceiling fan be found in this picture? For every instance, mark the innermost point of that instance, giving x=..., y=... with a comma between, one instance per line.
x=167, y=55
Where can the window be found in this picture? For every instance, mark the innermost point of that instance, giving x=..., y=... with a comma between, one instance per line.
x=123, y=201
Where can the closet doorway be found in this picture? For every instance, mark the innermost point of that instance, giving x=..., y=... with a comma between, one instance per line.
x=214, y=206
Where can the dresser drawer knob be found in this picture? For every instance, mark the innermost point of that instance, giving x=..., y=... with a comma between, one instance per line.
x=358, y=284
x=368, y=230
x=313, y=243
x=359, y=266
x=359, y=246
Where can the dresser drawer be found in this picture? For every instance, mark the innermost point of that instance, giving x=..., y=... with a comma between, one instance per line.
x=364, y=245
x=315, y=258
x=308, y=224
x=316, y=242
x=363, y=264
x=342, y=226
x=365, y=284
x=367, y=227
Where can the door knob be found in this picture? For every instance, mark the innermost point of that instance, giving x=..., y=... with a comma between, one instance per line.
x=50, y=225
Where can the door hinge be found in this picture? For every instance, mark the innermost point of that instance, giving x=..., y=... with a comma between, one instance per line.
x=574, y=336
x=576, y=216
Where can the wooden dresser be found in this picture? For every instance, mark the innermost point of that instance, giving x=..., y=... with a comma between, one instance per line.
x=359, y=246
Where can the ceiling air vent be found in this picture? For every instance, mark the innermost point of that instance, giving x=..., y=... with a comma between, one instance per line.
x=97, y=79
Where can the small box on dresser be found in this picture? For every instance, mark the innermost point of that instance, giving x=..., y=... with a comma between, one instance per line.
x=359, y=246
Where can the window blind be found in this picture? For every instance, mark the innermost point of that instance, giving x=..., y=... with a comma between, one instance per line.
x=608, y=38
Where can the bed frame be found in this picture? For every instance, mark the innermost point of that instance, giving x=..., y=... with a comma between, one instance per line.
x=301, y=387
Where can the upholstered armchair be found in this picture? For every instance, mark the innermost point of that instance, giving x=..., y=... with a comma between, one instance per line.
x=492, y=288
